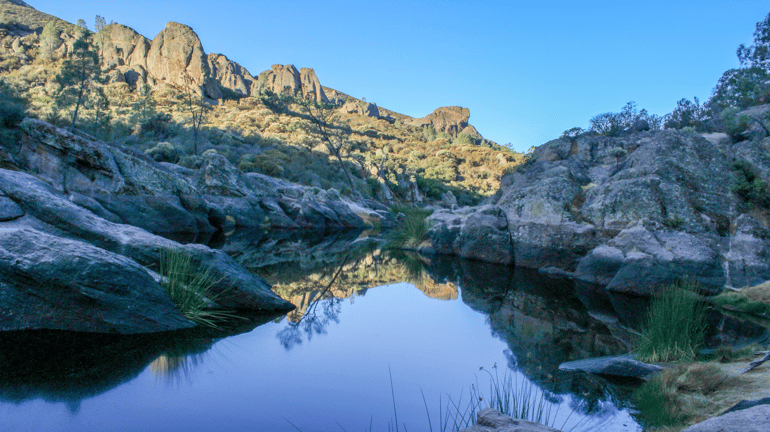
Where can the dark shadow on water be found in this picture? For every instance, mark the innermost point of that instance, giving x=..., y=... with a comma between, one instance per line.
x=68, y=367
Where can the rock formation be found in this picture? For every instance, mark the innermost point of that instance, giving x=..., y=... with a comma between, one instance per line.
x=288, y=80
x=176, y=57
x=664, y=211
x=361, y=108
x=452, y=120
x=230, y=74
x=83, y=224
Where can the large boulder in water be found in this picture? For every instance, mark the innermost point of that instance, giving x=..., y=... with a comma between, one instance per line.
x=636, y=212
x=49, y=282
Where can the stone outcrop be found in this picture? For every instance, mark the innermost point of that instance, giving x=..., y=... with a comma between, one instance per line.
x=176, y=57
x=164, y=198
x=660, y=210
x=50, y=282
x=451, y=120
x=756, y=419
x=471, y=233
x=361, y=108
x=490, y=420
x=286, y=79
x=230, y=74
x=80, y=216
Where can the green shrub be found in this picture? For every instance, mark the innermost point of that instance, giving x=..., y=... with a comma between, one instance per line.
x=260, y=163
x=13, y=108
x=675, y=326
x=749, y=187
x=734, y=124
x=163, y=152
x=741, y=302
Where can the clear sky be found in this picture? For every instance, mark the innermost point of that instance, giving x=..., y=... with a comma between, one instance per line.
x=527, y=70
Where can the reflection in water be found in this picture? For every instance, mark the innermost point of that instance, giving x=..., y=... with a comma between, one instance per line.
x=69, y=367
x=542, y=320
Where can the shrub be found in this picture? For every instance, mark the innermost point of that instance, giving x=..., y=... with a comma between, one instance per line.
x=749, y=187
x=13, y=108
x=163, y=152
x=675, y=326
x=260, y=163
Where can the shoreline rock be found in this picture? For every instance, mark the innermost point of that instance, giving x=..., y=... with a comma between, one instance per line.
x=664, y=211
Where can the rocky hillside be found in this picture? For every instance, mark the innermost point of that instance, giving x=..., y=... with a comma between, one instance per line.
x=248, y=118
x=632, y=212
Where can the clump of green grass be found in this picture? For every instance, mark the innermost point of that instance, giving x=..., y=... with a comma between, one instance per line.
x=675, y=326
x=677, y=396
x=411, y=231
x=754, y=300
x=191, y=289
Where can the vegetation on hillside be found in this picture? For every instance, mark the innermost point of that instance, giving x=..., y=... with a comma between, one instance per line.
x=274, y=134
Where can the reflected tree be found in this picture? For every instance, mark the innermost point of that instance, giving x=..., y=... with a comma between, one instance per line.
x=319, y=314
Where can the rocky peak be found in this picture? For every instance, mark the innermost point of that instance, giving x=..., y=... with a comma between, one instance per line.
x=452, y=120
x=176, y=57
x=123, y=46
x=230, y=74
x=286, y=79
x=16, y=3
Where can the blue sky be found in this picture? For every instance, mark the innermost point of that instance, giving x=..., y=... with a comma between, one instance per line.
x=527, y=70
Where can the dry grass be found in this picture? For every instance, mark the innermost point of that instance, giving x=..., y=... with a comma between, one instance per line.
x=688, y=394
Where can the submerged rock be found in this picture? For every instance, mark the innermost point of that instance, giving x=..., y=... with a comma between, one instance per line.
x=490, y=420
x=613, y=366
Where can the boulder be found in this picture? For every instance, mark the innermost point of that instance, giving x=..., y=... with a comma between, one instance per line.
x=9, y=210
x=612, y=366
x=746, y=404
x=490, y=420
x=361, y=108
x=480, y=234
x=239, y=289
x=756, y=419
x=452, y=120
x=50, y=282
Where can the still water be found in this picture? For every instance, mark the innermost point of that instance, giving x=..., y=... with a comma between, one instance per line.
x=372, y=330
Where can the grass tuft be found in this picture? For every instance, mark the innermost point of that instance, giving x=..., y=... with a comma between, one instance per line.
x=678, y=396
x=411, y=231
x=675, y=326
x=191, y=289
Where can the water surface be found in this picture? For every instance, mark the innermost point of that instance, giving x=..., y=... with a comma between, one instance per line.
x=363, y=317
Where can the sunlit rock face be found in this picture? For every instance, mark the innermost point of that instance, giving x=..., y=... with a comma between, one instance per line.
x=286, y=79
x=176, y=57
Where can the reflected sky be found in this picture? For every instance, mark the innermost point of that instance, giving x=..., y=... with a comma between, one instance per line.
x=340, y=377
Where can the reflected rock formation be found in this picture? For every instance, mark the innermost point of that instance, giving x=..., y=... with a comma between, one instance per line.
x=69, y=367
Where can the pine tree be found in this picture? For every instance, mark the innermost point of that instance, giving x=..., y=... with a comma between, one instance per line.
x=76, y=77
x=50, y=39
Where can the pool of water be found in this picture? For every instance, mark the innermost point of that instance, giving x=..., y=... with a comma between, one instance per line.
x=376, y=337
